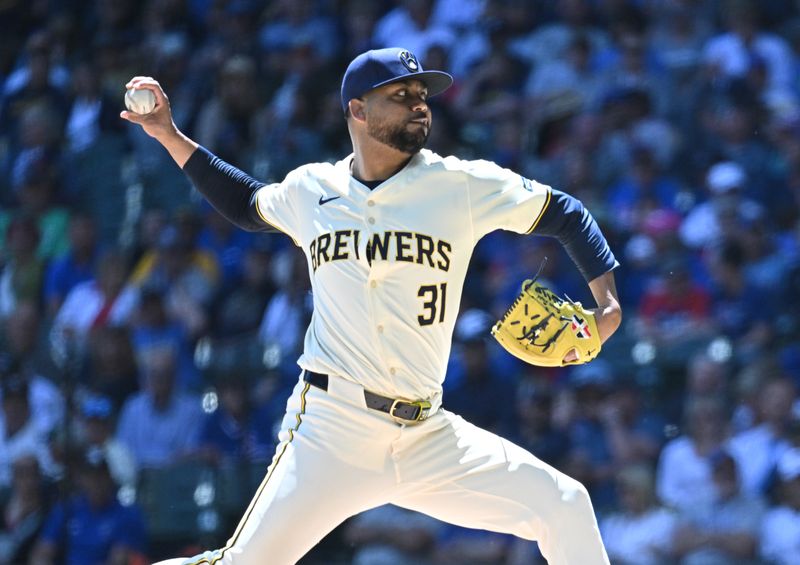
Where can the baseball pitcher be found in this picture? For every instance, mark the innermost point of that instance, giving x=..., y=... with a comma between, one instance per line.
x=387, y=233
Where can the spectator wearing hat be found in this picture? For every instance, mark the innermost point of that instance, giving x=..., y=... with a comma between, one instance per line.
x=98, y=428
x=780, y=529
x=724, y=532
x=711, y=220
x=92, y=526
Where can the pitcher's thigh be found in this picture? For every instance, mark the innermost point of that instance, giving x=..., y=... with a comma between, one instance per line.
x=467, y=476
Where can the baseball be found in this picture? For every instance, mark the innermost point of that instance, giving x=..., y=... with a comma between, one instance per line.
x=140, y=101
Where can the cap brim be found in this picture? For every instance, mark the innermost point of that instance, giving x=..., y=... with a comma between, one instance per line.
x=436, y=81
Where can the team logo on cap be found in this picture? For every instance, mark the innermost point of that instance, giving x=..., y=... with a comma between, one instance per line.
x=409, y=61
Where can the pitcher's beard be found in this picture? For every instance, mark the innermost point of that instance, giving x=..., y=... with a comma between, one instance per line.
x=399, y=136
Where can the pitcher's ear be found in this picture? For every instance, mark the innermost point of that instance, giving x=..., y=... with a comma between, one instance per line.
x=356, y=106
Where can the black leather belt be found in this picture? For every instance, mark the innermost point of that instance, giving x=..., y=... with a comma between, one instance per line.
x=405, y=411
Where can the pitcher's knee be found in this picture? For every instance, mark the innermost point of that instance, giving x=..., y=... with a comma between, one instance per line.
x=573, y=492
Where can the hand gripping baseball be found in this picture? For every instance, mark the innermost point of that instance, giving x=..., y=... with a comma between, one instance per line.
x=158, y=123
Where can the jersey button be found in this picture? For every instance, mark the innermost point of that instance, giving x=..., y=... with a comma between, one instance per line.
x=380, y=329
x=371, y=220
x=370, y=203
x=373, y=284
x=393, y=370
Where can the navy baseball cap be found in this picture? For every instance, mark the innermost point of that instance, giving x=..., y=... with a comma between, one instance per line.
x=384, y=66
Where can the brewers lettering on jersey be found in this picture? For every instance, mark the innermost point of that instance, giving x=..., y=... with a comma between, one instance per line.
x=388, y=232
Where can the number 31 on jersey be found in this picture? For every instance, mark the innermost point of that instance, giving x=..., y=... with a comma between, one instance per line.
x=434, y=300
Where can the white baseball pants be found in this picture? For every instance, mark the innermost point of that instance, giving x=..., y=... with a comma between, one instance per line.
x=337, y=458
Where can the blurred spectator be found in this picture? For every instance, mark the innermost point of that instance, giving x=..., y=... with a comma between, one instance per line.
x=104, y=301
x=238, y=430
x=641, y=532
x=706, y=376
x=684, y=477
x=76, y=266
x=535, y=428
x=285, y=318
x=92, y=112
x=34, y=83
x=153, y=327
x=293, y=21
x=635, y=434
x=591, y=459
x=726, y=531
x=160, y=424
x=480, y=394
x=239, y=311
x=780, y=529
x=186, y=275
x=644, y=190
x=224, y=122
x=112, y=370
x=477, y=547
x=390, y=535
x=572, y=74
x=491, y=91
x=23, y=511
x=227, y=243
x=40, y=132
x=745, y=321
x=38, y=197
x=97, y=420
x=733, y=53
x=675, y=309
x=551, y=41
x=19, y=434
x=709, y=221
x=92, y=526
x=411, y=25
x=22, y=274
x=45, y=401
x=24, y=351
x=758, y=449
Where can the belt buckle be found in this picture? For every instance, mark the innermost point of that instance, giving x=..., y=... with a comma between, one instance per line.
x=423, y=405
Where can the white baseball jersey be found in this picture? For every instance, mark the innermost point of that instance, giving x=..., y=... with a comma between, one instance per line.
x=387, y=265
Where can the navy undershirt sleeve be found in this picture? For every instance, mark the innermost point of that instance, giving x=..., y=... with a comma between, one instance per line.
x=228, y=189
x=566, y=219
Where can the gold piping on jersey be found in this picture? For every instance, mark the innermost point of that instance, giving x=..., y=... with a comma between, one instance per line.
x=270, y=224
x=261, y=487
x=541, y=213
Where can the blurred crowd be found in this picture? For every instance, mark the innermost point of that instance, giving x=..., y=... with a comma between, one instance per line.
x=147, y=347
